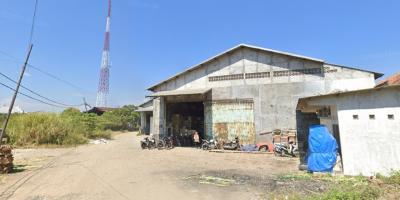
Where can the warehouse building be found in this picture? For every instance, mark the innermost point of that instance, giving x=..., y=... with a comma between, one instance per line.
x=246, y=91
x=366, y=124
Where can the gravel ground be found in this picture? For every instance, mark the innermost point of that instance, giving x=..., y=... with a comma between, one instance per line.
x=121, y=170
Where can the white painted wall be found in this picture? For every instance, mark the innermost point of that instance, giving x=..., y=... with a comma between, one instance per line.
x=370, y=146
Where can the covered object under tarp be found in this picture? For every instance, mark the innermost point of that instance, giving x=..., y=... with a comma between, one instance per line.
x=322, y=149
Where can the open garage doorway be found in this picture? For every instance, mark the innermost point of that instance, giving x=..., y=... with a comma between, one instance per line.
x=183, y=119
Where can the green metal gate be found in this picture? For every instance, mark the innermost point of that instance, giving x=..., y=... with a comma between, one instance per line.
x=227, y=119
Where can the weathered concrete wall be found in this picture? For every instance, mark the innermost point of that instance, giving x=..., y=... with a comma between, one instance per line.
x=250, y=61
x=274, y=104
x=375, y=141
x=226, y=120
x=275, y=96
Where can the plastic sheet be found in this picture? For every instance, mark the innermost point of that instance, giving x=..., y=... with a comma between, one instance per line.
x=322, y=149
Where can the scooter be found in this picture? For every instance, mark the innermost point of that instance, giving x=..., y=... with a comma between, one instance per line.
x=283, y=150
x=232, y=145
x=147, y=143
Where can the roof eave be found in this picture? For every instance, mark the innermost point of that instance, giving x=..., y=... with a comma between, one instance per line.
x=376, y=74
x=351, y=92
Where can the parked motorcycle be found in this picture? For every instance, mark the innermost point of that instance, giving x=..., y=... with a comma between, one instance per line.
x=165, y=143
x=208, y=145
x=147, y=143
x=232, y=145
x=285, y=150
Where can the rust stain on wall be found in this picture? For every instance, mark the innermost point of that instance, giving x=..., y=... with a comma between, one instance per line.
x=226, y=120
x=220, y=131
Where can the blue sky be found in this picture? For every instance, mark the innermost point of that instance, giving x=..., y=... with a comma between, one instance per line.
x=153, y=39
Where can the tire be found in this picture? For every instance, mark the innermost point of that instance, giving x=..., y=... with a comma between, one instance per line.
x=169, y=145
x=143, y=145
x=160, y=146
x=263, y=149
x=276, y=153
x=204, y=146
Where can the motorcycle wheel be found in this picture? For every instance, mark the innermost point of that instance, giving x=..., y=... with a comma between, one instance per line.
x=143, y=145
x=276, y=153
x=160, y=146
x=263, y=149
x=169, y=145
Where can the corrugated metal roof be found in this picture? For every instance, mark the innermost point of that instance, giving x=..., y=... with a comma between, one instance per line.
x=144, y=103
x=179, y=92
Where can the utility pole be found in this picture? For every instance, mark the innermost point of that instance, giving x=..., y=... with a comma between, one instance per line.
x=15, y=93
x=86, y=104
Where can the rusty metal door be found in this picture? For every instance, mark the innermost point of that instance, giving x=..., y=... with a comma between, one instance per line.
x=227, y=119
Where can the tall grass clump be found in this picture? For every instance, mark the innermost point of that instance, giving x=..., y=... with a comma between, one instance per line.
x=69, y=127
x=42, y=128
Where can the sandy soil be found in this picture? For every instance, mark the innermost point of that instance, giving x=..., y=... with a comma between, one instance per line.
x=121, y=170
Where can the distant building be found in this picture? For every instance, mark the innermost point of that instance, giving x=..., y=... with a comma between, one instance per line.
x=16, y=109
x=366, y=124
x=100, y=110
x=391, y=80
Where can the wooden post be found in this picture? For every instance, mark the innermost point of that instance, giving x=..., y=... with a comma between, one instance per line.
x=15, y=93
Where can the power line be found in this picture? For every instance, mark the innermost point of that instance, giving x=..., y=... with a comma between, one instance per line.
x=53, y=101
x=17, y=60
x=57, y=78
x=30, y=97
x=16, y=91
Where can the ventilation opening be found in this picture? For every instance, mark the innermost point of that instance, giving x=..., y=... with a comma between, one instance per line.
x=371, y=116
x=391, y=116
x=355, y=116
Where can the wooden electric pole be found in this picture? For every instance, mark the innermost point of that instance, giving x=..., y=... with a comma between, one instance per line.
x=15, y=93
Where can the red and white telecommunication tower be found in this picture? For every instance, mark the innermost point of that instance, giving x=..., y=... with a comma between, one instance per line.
x=102, y=91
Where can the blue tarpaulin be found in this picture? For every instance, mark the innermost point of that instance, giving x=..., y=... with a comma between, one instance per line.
x=322, y=149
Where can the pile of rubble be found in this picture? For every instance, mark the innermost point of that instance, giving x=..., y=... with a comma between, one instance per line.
x=6, y=159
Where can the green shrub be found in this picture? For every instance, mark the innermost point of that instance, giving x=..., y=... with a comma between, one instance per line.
x=42, y=128
x=394, y=178
x=350, y=191
x=69, y=127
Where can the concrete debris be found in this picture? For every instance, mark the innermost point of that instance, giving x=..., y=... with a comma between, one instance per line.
x=6, y=159
x=99, y=141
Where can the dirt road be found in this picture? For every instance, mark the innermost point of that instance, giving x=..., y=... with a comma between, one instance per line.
x=121, y=170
